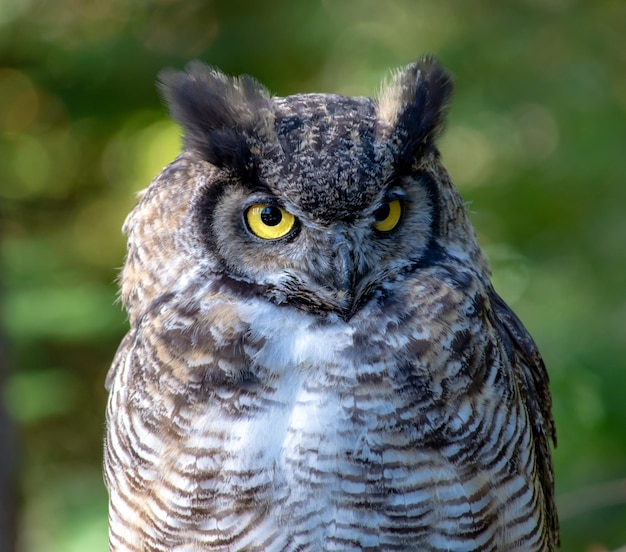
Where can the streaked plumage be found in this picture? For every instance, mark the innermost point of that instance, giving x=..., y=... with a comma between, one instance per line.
x=355, y=384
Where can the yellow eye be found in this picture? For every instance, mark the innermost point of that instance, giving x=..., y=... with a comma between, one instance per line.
x=269, y=221
x=388, y=216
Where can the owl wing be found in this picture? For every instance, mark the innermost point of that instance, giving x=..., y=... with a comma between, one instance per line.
x=120, y=357
x=533, y=381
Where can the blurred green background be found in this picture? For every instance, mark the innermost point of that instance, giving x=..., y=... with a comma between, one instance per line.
x=535, y=141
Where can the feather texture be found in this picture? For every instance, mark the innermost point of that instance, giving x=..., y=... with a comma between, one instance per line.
x=342, y=387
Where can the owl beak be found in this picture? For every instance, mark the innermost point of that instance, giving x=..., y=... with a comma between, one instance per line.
x=343, y=275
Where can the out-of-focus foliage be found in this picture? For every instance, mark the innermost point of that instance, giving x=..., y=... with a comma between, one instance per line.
x=535, y=141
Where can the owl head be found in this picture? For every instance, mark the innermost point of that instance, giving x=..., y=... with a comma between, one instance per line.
x=316, y=201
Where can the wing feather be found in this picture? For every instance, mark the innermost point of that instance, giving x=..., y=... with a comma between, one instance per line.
x=120, y=357
x=533, y=382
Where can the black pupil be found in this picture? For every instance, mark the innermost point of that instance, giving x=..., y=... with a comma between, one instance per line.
x=271, y=216
x=382, y=212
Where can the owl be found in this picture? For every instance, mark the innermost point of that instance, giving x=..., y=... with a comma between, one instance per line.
x=317, y=359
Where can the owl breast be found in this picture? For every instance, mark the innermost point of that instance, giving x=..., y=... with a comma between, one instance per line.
x=345, y=435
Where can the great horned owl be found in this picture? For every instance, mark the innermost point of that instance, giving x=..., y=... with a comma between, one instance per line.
x=317, y=359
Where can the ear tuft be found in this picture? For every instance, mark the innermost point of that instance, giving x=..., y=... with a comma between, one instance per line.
x=413, y=105
x=217, y=113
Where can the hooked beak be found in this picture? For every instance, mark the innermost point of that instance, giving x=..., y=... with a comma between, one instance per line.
x=343, y=275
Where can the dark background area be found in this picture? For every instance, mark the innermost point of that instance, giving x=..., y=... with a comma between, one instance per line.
x=535, y=141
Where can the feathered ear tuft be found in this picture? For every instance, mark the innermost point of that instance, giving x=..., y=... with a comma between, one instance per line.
x=412, y=106
x=218, y=113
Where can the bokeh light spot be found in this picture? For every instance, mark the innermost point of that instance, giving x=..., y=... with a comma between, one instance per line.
x=31, y=166
x=538, y=131
x=19, y=100
x=468, y=156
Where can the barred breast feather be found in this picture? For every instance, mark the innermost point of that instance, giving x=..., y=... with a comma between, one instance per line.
x=364, y=435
